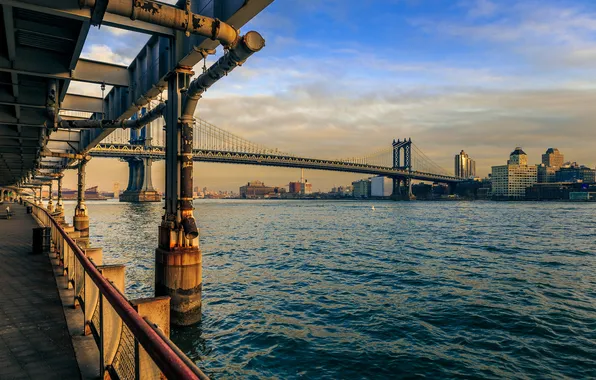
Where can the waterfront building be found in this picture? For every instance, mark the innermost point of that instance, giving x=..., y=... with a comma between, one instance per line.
x=465, y=167
x=559, y=191
x=546, y=174
x=552, y=158
x=381, y=187
x=361, y=188
x=511, y=180
x=257, y=189
x=301, y=188
x=573, y=172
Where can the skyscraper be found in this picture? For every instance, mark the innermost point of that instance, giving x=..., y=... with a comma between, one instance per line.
x=553, y=158
x=465, y=167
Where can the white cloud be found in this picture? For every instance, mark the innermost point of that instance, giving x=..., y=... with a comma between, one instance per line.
x=482, y=8
x=104, y=53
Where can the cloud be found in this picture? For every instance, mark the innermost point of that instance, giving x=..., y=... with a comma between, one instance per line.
x=482, y=8
x=105, y=54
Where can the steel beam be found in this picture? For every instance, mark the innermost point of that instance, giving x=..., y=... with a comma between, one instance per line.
x=87, y=70
x=34, y=62
x=83, y=103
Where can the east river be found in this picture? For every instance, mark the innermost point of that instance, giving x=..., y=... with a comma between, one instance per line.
x=334, y=289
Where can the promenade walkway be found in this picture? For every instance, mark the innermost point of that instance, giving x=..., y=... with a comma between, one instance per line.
x=34, y=339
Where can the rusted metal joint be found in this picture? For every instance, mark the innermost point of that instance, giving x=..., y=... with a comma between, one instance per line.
x=133, y=12
x=204, y=52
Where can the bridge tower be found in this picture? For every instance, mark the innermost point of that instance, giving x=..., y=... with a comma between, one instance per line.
x=402, y=160
x=140, y=186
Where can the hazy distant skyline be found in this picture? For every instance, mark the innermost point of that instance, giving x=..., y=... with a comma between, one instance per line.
x=343, y=78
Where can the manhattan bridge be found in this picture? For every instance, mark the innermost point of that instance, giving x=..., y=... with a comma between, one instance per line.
x=402, y=160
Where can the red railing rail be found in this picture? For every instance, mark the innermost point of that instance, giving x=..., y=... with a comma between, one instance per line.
x=166, y=359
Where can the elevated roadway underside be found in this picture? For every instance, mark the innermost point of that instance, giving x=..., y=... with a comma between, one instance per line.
x=41, y=42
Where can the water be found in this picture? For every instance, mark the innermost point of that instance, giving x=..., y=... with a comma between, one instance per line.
x=330, y=290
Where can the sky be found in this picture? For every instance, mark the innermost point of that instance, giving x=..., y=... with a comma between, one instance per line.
x=344, y=78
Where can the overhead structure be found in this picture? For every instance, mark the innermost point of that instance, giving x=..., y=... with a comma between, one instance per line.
x=42, y=41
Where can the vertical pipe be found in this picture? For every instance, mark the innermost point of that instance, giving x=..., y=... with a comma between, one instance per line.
x=50, y=202
x=59, y=203
x=81, y=218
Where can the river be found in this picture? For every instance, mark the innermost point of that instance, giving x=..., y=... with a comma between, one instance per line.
x=334, y=289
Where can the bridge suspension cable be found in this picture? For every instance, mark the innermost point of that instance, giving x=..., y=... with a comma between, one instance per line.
x=381, y=157
x=209, y=137
x=422, y=163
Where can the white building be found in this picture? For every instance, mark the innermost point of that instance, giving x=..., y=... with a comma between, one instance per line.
x=381, y=187
x=511, y=180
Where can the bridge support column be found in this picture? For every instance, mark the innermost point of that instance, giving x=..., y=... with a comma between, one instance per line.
x=50, y=202
x=81, y=218
x=396, y=194
x=178, y=259
x=140, y=186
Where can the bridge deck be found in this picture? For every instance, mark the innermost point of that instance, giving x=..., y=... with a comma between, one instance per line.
x=34, y=339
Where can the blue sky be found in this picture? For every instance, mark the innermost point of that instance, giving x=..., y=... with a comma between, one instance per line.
x=341, y=78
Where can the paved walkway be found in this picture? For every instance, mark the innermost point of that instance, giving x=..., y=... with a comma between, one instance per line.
x=34, y=340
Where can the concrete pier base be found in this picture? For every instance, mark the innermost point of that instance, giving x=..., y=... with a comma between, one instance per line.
x=81, y=224
x=140, y=196
x=179, y=275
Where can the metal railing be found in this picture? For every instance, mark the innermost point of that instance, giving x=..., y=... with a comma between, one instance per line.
x=132, y=336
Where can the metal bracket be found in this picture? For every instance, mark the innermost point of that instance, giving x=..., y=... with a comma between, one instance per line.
x=98, y=11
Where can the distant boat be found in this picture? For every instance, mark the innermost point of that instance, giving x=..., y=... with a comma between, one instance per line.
x=373, y=208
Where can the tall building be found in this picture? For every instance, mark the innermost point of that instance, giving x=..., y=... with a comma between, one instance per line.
x=465, y=167
x=511, y=180
x=553, y=158
x=361, y=189
x=546, y=174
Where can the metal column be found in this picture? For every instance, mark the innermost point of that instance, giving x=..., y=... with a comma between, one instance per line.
x=81, y=218
x=50, y=202
x=178, y=259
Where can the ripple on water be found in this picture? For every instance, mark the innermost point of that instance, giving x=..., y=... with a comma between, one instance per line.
x=331, y=290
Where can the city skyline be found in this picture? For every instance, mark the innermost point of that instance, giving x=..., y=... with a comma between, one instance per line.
x=229, y=180
x=500, y=93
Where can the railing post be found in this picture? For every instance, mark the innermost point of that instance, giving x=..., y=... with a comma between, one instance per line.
x=91, y=292
x=69, y=260
x=156, y=310
x=111, y=324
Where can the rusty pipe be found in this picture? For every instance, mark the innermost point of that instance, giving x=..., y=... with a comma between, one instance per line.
x=249, y=44
x=157, y=13
x=246, y=46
